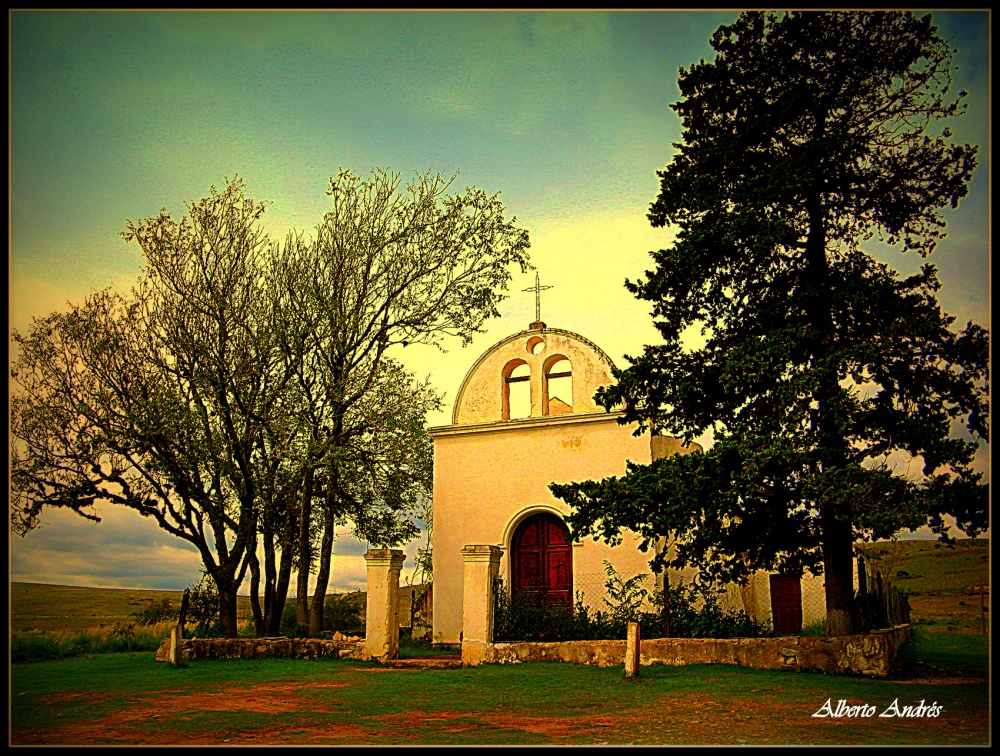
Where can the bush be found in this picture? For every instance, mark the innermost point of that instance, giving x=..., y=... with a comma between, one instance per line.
x=694, y=613
x=344, y=612
x=816, y=628
x=157, y=612
x=203, y=609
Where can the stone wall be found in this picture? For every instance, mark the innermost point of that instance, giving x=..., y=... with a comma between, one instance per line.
x=869, y=654
x=262, y=648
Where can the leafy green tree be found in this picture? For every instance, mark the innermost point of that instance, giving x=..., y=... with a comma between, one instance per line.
x=153, y=400
x=822, y=372
x=240, y=380
x=391, y=265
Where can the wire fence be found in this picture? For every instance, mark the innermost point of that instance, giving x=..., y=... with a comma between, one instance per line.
x=414, y=609
x=603, y=592
x=879, y=604
x=599, y=592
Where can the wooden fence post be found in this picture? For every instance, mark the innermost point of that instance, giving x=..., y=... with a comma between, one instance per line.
x=184, y=609
x=982, y=612
x=177, y=633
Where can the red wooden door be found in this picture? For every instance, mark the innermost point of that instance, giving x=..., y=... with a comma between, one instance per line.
x=786, y=604
x=543, y=561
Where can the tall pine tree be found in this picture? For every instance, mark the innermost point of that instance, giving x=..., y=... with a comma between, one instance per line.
x=822, y=370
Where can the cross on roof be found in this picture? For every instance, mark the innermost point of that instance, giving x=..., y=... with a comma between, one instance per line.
x=538, y=288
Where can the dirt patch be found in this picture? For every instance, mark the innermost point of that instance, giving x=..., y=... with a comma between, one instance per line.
x=95, y=733
x=129, y=723
x=413, y=724
x=555, y=728
x=264, y=700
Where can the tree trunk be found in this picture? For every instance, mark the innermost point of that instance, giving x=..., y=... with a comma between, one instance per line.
x=836, y=525
x=325, y=560
x=259, y=628
x=305, y=552
x=270, y=569
x=185, y=600
x=227, y=607
x=839, y=574
x=666, y=604
x=285, y=565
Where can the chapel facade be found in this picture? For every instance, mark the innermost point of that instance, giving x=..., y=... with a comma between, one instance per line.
x=525, y=417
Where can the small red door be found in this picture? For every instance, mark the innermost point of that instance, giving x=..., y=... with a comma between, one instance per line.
x=543, y=560
x=786, y=604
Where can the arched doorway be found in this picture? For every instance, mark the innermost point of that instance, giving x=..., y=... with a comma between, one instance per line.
x=542, y=560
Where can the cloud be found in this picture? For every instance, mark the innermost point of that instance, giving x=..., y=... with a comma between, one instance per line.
x=125, y=550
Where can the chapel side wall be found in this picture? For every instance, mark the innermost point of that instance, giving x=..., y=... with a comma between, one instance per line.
x=484, y=481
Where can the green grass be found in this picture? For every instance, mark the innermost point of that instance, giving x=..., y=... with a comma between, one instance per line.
x=129, y=699
x=964, y=653
x=923, y=567
x=937, y=577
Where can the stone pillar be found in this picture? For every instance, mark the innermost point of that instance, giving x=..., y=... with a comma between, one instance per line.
x=632, y=650
x=381, y=620
x=176, y=653
x=482, y=566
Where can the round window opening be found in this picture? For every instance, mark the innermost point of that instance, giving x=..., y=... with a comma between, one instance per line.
x=535, y=345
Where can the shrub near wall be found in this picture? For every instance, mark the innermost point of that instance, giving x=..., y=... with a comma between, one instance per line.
x=695, y=612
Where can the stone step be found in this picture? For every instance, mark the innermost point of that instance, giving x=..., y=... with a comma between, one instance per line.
x=426, y=662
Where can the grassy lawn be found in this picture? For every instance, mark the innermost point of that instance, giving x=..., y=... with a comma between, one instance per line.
x=931, y=649
x=130, y=699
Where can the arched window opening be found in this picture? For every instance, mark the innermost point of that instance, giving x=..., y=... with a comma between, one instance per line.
x=558, y=386
x=516, y=390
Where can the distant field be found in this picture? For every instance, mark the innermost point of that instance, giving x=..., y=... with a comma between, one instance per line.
x=36, y=606
x=935, y=575
x=937, y=578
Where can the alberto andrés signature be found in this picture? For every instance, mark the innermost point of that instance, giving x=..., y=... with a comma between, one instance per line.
x=842, y=709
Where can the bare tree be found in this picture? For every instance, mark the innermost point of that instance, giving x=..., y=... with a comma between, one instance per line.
x=241, y=394
x=390, y=266
x=155, y=400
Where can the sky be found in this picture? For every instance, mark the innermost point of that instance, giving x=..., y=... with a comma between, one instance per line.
x=115, y=115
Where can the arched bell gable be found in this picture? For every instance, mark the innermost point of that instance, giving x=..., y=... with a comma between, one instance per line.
x=483, y=395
